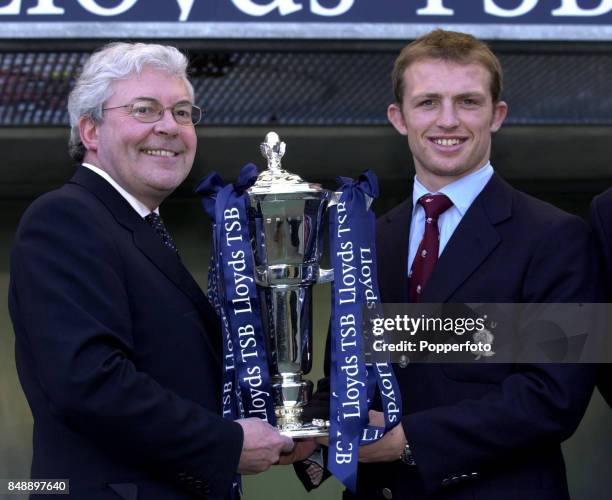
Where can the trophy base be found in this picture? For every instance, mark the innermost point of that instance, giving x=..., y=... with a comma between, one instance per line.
x=289, y=423
x=316, y=428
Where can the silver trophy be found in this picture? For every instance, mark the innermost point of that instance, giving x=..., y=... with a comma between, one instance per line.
x=286, y=224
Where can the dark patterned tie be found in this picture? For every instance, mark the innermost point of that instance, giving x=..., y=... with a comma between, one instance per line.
x=427, y=255
x=158, y=224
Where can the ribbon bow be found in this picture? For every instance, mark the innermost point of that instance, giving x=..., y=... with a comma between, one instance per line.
x=211, y=185
x=366, y=184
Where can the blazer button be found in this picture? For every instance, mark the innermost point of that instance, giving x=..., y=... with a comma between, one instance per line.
x=387, y=493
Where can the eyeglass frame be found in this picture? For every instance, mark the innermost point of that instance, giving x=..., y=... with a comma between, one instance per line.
x=165, y=108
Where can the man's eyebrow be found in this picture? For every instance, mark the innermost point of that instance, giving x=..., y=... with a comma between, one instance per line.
x=472, y=93
x=435, y=95
x=147, y=98
x=143, y=98
x=426, y=95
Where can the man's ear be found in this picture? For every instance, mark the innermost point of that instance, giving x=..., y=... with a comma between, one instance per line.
x=395, y=116
x=88, y=130
x=500, y=111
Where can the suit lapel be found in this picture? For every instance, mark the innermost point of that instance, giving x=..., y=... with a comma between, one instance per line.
x=147, y=241
x=472, y=242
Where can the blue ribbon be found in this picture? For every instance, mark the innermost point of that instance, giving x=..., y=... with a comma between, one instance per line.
x=353, y=383
x=232, y=408
x=232, y=290
x=239, y=299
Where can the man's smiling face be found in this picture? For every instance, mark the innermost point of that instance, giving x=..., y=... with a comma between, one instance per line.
x=149, y=160
x=448, y=116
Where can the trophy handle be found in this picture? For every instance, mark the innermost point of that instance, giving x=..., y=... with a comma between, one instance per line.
x=334, y=198
x=325, y=275
x=261, y=276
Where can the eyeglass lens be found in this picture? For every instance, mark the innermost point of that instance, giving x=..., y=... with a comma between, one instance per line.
x=149, y=111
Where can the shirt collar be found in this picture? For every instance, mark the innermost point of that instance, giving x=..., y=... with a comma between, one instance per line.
x=136, y=204
x=461, y=192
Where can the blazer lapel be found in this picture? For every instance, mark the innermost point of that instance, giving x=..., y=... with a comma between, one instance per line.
x=472, y=242
x=148, y=242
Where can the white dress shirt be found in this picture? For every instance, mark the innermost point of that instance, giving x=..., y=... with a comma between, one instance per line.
x=461, y=192
x=137, y=205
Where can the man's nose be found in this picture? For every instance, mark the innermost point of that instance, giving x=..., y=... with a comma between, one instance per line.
x=167, y=124
x=448, y=117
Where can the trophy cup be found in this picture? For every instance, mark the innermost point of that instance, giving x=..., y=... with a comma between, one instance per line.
x=286, y=226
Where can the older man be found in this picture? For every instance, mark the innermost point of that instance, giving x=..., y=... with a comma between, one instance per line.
x=117, y=347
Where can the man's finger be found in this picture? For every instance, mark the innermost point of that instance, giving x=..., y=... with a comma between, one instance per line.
x=376, y=418
x=322, y=440
x=287, y=444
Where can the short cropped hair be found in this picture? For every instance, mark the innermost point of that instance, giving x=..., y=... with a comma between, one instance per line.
x=113, y=62
x=448, y=46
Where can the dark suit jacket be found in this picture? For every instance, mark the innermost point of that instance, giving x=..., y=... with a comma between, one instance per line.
x=601, y=225
x=118, y=351
x=488, y=431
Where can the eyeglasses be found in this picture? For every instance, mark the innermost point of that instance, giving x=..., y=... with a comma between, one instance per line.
x=151, y=111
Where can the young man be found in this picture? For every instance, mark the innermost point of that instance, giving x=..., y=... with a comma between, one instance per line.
x=117, y=347
x=490, y=431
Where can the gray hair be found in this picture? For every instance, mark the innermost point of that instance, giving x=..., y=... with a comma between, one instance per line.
x=116, y=61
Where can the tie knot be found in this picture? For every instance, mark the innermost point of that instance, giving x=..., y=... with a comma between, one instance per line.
x=157, y=224
x=154, y=219
x=435, y=204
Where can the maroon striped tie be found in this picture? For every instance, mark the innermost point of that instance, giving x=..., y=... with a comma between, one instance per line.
x=427, y=254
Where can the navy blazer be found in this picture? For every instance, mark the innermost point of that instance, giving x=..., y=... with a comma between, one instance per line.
x=488, y=431
x=118, y=352
x=601, y=225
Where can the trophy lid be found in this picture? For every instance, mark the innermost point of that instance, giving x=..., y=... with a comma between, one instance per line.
x=275, y=179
